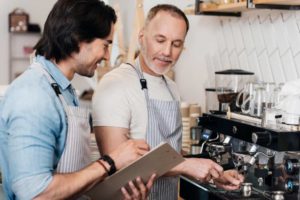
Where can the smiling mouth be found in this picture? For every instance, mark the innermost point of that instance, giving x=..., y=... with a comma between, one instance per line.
x=99, y=63
x=164, y=60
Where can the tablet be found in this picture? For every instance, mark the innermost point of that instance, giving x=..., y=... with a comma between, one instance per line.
x=159, y=161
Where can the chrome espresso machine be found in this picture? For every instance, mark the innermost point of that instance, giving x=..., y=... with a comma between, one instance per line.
x=269, y=158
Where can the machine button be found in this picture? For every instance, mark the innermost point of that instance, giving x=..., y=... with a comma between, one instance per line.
x=291, y=185
x=292, y=166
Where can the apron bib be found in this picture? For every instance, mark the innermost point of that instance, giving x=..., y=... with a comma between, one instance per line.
x=76, y=154
x=164, y=125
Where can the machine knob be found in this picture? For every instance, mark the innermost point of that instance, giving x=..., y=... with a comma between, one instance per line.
x=262, y=138
x=292, y=166
x=291, y=185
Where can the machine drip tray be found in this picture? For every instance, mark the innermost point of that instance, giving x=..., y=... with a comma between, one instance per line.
x=193, y=190
x=237, y=196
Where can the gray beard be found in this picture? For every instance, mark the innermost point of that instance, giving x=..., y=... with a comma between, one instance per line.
x=151, y=66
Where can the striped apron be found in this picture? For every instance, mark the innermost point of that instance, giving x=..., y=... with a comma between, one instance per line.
x=76, y=154
x=164, y=125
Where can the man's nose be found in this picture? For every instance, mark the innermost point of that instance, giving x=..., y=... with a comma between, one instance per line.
x=106, y=55
x=167, y=49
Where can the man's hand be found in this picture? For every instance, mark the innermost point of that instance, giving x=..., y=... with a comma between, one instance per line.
x=138, y=191
x=128, y=152
x=231, y=180
x=201, y=169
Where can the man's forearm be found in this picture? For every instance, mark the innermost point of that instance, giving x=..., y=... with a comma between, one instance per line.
x=175, y=171
x=64, y=186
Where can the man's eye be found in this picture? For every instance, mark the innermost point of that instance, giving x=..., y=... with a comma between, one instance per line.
x=105, y=47
x=160, y=40
x=177, y=44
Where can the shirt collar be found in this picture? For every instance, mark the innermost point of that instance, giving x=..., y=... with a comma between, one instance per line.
x=54, y=71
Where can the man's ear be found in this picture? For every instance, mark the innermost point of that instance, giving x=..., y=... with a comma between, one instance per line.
x=141, y=35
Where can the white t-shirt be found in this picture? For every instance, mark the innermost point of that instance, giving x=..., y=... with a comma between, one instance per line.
x=119, y=101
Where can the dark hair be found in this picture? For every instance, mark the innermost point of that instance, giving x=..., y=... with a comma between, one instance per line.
x=168, y=8
x=71, y=22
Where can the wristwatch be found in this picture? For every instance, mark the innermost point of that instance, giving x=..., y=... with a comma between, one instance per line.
x=111, y=162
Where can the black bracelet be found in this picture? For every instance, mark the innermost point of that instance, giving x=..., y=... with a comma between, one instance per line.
x=110, y=161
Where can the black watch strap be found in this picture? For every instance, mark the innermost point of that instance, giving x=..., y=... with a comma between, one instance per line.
x=111, y=162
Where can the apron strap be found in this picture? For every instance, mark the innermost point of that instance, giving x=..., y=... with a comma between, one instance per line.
x=52, y=82
x=56, y=89
x=143, y=81
x=164, y=78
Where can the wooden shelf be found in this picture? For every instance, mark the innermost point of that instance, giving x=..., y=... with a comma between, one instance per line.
x=230, y=7
x=189, y=11
x=235, y=9
x=277, y=2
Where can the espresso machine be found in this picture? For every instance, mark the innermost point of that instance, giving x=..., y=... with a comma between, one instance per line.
x=269, y=158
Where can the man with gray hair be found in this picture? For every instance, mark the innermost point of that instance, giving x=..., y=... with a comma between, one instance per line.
x=138, y=101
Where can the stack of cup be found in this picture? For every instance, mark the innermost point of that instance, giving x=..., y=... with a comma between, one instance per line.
x=185, y=114
x=189, y=113
x=195, y=112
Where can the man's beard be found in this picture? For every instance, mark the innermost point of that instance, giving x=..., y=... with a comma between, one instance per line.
x=153, y=67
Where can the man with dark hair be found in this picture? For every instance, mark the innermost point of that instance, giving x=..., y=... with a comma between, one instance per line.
x=138, y=101
x=44, y=134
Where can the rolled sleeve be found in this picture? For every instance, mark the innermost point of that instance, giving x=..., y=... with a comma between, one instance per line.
x=110, y=104
x=29, y=187
x=34, y=126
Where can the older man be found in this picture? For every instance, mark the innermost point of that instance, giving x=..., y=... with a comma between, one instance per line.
x=138, y=101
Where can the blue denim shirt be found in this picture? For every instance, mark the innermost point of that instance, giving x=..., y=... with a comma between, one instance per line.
x=33, y=130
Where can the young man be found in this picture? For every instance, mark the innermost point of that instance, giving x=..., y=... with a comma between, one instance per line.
x=138, y=101
x=44, y=134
